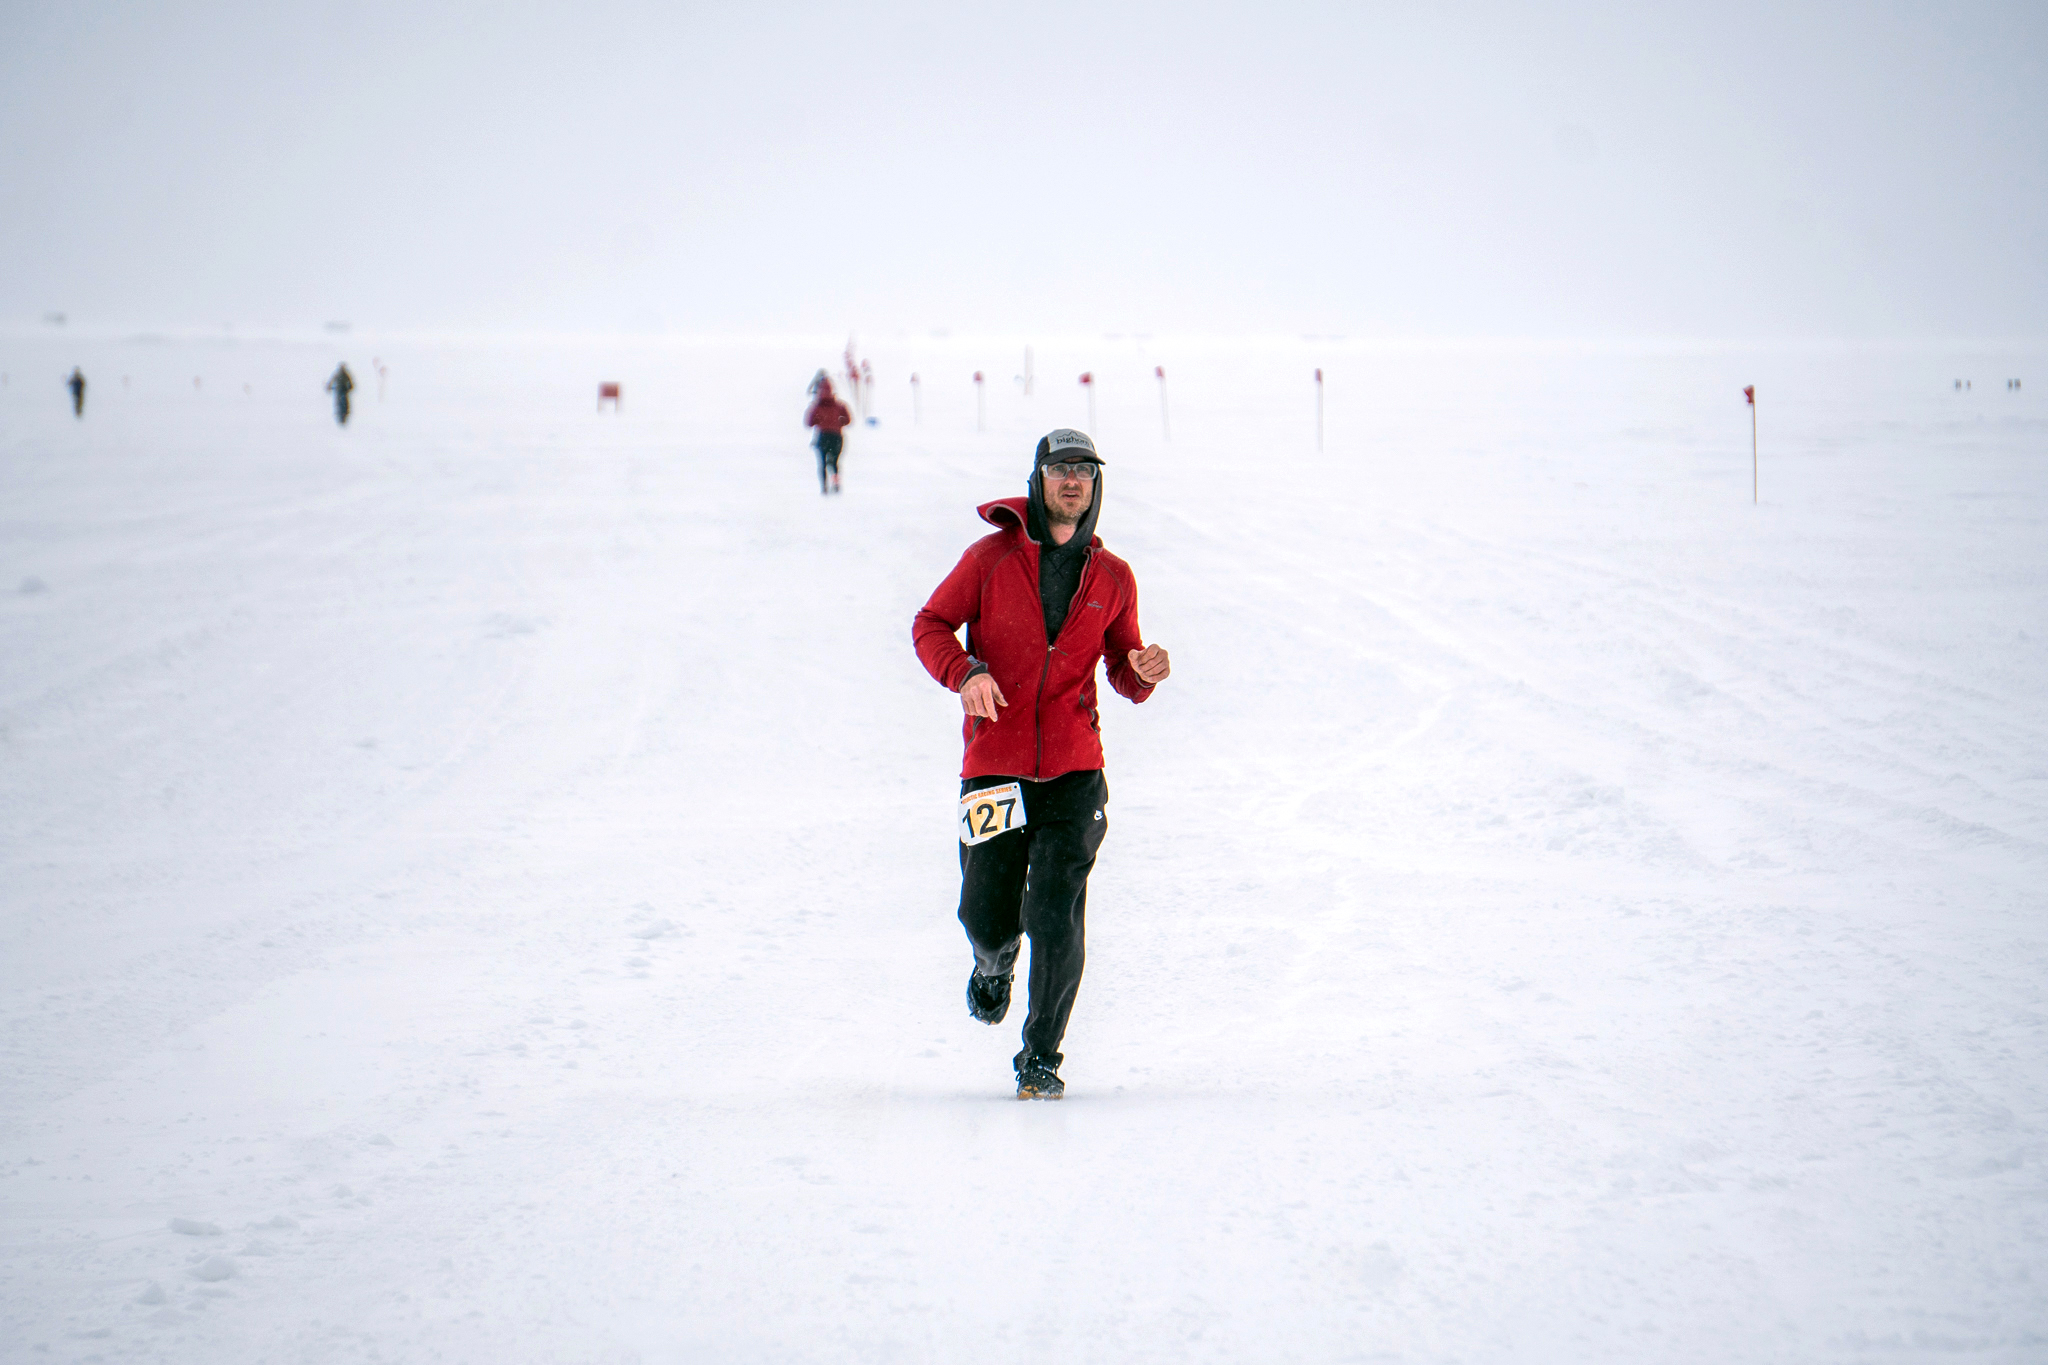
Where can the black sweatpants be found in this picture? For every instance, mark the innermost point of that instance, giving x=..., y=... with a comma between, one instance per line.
x=1034, y=881
x=829, y=445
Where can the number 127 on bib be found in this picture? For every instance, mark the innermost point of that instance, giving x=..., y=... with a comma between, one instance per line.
x=991, y=811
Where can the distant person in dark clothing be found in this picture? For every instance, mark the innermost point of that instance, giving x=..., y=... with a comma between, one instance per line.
x=340, y=386
x=831, y=418
x=76, y=383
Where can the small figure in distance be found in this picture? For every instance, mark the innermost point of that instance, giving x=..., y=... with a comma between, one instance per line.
x=76, y=383
x=340, y=384
x=830, y=417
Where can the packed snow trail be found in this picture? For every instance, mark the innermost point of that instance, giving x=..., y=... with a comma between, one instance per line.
x=479, y=885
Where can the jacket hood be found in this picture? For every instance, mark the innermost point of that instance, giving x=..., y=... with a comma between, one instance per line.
x=1027, y=514
x=1062, y=442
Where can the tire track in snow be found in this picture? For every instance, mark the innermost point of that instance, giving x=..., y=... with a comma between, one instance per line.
x=1776, y=703
x=1777, y=773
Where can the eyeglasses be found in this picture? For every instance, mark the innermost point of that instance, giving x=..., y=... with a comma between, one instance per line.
x=1072, y=471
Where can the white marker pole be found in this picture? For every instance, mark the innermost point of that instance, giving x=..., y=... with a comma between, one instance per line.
x=980, y=404
x=1088, y=383
x=1755, y=475
x=1319, y=409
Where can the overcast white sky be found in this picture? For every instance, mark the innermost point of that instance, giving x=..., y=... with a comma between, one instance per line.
x=1438, y=169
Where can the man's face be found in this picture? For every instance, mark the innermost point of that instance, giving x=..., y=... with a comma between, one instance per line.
x=1067, y=496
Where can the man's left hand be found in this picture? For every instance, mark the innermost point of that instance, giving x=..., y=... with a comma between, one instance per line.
x=1151, y=665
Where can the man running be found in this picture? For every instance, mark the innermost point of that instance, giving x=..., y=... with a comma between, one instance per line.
x=1032, y=794
x=831, y=418
x=341, y=384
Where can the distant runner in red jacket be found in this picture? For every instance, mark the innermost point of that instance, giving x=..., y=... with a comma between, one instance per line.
x=831, y=418
x=1043, y=604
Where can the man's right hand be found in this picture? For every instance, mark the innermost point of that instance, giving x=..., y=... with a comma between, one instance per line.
x=979, y=696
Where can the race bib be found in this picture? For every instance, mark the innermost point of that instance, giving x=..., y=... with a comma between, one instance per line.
x=991, y=811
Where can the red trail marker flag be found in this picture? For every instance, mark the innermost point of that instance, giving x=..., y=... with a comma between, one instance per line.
x=1755, y=491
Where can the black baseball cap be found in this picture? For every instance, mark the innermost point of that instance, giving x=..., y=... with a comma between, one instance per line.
x=1064, y=445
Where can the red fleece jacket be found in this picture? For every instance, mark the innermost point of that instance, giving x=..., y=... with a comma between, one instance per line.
x=828, y=413
x=1050, y=726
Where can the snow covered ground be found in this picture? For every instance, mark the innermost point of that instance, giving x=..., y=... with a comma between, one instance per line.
x=479, y=886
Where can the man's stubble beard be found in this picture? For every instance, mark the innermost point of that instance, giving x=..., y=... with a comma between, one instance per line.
x=1057, y=516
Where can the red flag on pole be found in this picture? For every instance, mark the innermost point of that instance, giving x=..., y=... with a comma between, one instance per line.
x=1755, y=471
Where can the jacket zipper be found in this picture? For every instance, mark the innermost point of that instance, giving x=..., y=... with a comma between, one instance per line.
x=1038, y=716
x=1038, y=708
